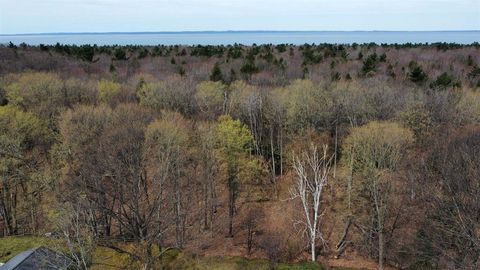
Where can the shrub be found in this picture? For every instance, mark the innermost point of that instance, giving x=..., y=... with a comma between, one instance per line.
x=445, y=80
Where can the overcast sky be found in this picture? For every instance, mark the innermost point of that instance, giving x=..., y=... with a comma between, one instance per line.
x=40, y=16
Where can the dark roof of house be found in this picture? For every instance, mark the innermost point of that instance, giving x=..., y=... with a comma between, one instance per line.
x=40, y=258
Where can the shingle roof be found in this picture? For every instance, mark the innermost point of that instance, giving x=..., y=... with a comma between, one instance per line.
x=40, y=258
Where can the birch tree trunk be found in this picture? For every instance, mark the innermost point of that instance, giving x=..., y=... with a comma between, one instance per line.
x=312, y=172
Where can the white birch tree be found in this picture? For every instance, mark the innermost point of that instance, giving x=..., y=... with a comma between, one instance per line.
x=312, y=171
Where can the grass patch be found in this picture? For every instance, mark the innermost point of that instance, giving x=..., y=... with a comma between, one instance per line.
x=12, y=245
x=191, y=262
x=105, y=258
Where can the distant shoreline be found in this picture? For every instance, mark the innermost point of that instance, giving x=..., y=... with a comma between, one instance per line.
x=244, y=37
x=236, y=32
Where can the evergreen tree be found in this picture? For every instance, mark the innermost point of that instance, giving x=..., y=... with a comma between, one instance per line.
x=370, y=64
x=216, y=74
x=119, y=54
x=86, y=53
x=383, y=58
x=417, y=75
x=249, y=68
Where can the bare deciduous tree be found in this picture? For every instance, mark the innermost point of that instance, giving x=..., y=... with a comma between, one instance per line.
x=312, y=170
x=76, y=233
x=250, y=223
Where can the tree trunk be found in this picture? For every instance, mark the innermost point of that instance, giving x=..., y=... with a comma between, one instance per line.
x=381, y=249
x=230, y=214
x=205, y=206
x=272, y=153
x=231, y=205
x=281, y=150
x=213, y=202
x=312, y=246
x=342, y=244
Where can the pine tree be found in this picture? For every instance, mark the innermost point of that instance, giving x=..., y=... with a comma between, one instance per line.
x=417, y=75
x=216, y=74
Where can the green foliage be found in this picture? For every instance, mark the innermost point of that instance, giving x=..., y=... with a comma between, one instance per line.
x=23, y=138
x=41, y=93
x=281, y=48
x=119, y=54
x=171, y=129
x=207, y=51
x=181, y=71
x=311, y=55
x=13, y=245
x=475, y=72
x=308, y=106
x=377, y=145
x=234, y=142
x=107, y=90
x=235, y=51
x=167, y=140
x=86, y=52
x=445, y=80
x=242, y=99
x=234, y=139
x=184, y=260
x=210, y=98
x=370, y=64
x=105, y=258
x=216, y=74
x=416, y=75
x=383, y=58
x=22, y=129
x=144, y=52
x=11, y=45
x=174, y=94
x=249, y=68
x=251, y=175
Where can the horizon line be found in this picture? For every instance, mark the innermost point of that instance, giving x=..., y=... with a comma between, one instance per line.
x=221, y=31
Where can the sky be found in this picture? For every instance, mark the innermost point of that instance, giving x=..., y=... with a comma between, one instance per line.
x=53, y=16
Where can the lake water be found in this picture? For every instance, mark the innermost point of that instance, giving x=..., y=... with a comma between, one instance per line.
x=246, y=37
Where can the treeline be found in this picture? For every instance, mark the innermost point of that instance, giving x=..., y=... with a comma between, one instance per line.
x=175, y=161
x=437, y=64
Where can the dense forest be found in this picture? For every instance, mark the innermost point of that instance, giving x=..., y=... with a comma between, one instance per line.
x=328, y=153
